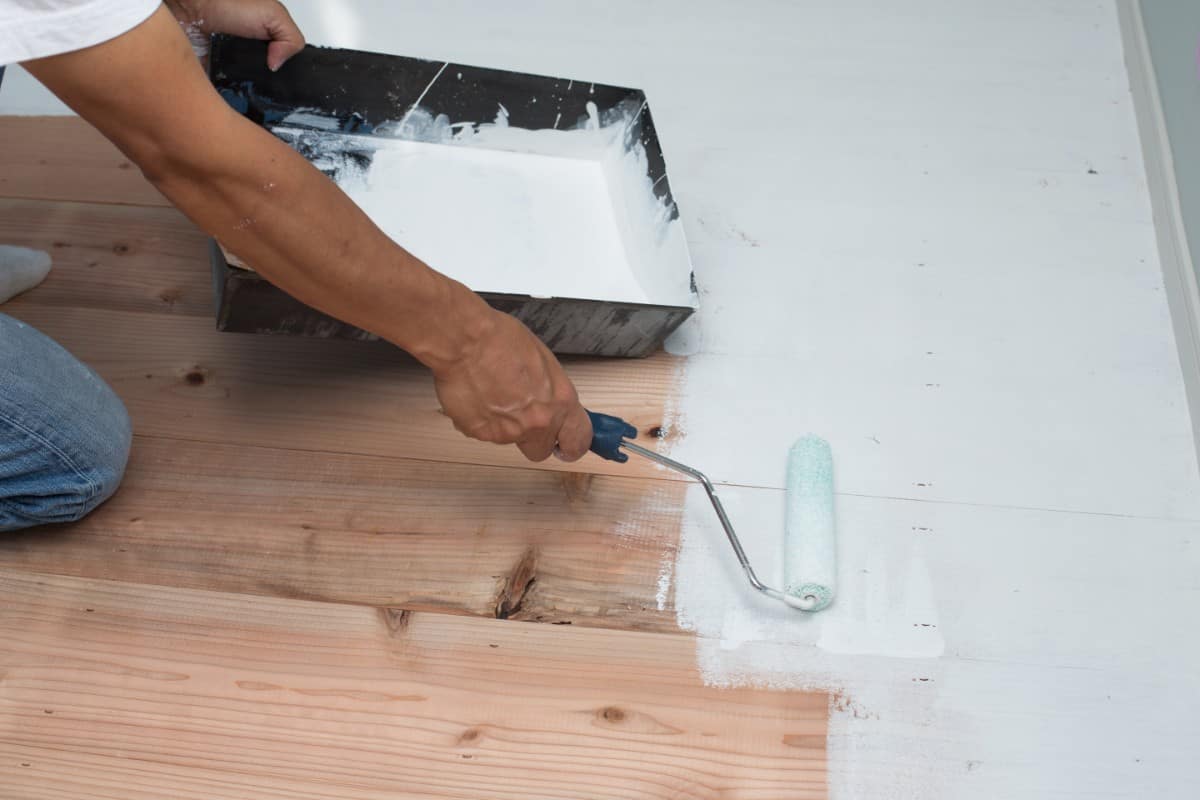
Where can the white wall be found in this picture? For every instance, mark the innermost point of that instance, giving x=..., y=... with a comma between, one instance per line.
x=20, y=93
x=1173, y=33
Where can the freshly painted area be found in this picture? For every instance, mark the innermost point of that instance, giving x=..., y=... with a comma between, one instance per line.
x=962, y=294
x=922, y=231
x=978, y=652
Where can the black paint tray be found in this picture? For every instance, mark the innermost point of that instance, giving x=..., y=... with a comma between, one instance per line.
x=349, y=111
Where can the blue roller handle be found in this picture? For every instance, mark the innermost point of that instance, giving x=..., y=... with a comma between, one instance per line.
x=607, y=435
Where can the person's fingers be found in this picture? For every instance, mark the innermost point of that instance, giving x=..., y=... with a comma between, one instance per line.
x=537, y=442
x=575, y=436
x=286, y=38
x=538, y=448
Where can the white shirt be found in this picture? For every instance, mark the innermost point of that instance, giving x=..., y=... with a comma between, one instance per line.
x=38, y=28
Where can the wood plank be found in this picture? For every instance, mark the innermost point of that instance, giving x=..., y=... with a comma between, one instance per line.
x=64, y=158
x=148, y=260
x=125, y=258
x=180, y=378
x=524, y=544
x=111, y=690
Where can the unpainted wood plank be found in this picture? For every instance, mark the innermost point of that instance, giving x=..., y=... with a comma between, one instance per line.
x=564, y=548
x=64, y=158
x=180, y=378
x=111, y=690
x=126, y=258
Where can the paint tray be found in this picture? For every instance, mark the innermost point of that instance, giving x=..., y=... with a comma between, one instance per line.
x=547, y=196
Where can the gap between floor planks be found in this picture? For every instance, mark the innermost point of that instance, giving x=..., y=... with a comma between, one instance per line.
x=563, y=548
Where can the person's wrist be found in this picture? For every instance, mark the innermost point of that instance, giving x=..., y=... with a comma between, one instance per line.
x=460, y=322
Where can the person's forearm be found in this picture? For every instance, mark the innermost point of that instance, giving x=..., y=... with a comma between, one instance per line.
x=145, y=92
x=259, y=197
x=294, y=226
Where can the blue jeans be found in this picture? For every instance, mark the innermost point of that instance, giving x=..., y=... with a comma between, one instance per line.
x=64, y=434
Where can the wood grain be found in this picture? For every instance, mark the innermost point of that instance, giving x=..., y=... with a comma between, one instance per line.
x=180, y=378
x=129, y=294
x=123, y=258
x=124, y=279
x=489, y=541
x=112, y=690
x=64, y=158
x=251, y=615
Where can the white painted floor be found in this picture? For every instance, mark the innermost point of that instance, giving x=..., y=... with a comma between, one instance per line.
x=922, y=230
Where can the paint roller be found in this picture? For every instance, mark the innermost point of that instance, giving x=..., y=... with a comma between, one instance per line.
x=810, y=554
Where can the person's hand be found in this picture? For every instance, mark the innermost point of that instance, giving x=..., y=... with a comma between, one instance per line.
x=509, y=388
x=267, y=20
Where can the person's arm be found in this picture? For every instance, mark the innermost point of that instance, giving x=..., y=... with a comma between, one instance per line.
x=146, y=92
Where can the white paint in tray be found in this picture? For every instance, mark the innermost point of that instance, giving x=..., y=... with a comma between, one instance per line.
x=548, y=213
x=501, y=221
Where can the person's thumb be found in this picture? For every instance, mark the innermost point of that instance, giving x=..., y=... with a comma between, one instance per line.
x=575, y=436
x=285, y=36
x=278, y=52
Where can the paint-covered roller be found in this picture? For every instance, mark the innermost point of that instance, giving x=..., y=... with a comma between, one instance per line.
x=810, y=549
x=810, y=559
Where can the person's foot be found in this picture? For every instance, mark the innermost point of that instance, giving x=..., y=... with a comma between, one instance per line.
x=21, y=269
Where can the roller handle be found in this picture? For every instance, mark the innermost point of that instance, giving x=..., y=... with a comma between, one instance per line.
x=608, y=433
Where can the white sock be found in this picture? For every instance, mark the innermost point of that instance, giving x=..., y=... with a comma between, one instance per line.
x=21, y=269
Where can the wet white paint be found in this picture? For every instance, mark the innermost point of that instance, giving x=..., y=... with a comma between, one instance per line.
x=886, y=603
x=665, y=572
x=959, y=658
x=933, y=280
x=549, y=213
x=501, y=221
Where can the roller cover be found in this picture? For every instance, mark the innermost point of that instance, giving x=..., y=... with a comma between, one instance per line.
x=810, y=558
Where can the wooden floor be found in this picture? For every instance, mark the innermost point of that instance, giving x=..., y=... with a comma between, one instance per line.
x=311, y=586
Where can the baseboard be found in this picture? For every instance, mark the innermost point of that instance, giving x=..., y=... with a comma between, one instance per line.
x=1179, y=274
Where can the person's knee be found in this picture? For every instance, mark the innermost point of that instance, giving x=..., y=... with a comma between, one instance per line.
x=105, y=453
x=104, y=466
x=64, y=434
x=53, y=484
